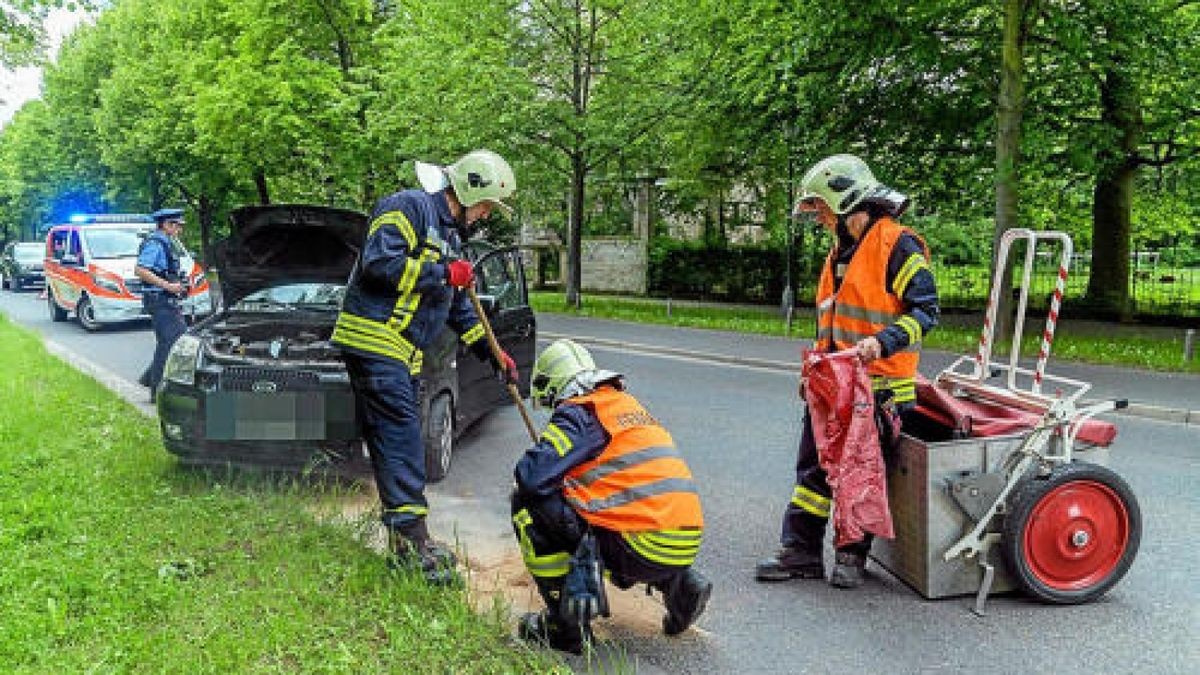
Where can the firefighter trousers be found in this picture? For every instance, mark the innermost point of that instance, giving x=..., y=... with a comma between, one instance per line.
x=548, y=531
x=807, y=512
x=387, y=396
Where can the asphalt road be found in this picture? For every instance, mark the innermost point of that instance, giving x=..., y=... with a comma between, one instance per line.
x=738, y=427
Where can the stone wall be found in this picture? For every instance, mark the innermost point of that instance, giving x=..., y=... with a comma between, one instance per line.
x=614, y=265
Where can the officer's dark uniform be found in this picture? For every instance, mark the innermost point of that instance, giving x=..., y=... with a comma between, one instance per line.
x=396, y=302
x=157, y=254
x=808, y=512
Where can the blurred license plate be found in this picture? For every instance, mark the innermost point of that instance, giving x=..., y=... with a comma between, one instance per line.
x=279, y=416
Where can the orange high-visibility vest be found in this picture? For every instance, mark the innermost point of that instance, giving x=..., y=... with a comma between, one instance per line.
x=639, y=482
x=863, y=305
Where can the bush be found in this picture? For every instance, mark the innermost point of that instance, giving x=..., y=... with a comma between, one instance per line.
x=692, y=269
x=955, y=241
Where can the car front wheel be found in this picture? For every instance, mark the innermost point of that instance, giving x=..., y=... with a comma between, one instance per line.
x=87, y=315
x=56, y=313
x=439, y=438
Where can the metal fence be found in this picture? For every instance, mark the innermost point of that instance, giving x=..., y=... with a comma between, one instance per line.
x=1156, y=290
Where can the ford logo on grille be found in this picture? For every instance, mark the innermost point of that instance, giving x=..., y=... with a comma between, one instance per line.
x=264, y=387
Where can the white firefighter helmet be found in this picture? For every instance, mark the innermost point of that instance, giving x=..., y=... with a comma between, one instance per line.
x=565, y=369
x=841, y=181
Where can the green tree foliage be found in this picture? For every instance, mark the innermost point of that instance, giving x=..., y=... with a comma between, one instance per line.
x=1091, y=127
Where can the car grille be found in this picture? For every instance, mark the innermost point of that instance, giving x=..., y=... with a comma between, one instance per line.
x=266, y=380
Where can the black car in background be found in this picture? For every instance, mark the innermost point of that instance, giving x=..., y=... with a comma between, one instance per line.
x=21, y=265
x=258, y=383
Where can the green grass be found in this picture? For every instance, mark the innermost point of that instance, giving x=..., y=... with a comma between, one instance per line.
x=1112, y=344
x=113, y=558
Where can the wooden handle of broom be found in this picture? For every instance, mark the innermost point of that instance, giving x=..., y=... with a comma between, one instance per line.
x=498, y=354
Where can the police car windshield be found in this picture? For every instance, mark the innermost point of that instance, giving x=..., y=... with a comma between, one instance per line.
x=29, y=252
x=292, y=296
x=113, y=242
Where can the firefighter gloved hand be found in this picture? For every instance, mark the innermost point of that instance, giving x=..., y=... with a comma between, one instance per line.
x=507, y=367
x=869, y=349
x=460, y=274
x=583, y=597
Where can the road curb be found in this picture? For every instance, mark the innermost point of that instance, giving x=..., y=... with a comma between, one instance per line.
x=1139, y=410
x=134, y=394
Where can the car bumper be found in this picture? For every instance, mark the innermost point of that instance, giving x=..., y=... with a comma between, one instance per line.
x=25, y=279
x=317, y=431
x=116, y=310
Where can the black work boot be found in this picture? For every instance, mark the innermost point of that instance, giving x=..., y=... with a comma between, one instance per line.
x=548, y=629
x=413, y=549
x=848, y=569
x=791, y=562
x=686, y=596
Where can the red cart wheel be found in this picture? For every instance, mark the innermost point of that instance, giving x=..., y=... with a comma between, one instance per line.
x=1072, y=535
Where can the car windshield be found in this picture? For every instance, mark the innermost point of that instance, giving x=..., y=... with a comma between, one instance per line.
x=113, y=242
x=29, y=252
x=292, y=296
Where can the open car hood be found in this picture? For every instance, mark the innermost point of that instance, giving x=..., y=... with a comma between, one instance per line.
x=287, y=243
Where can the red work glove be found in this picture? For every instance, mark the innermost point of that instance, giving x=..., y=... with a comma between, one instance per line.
x=459, y=274
x=509, y=367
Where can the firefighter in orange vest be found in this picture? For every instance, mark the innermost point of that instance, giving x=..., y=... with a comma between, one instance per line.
x=877, y=296
x=603, y=488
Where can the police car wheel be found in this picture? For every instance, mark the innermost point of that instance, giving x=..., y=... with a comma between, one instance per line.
x=56, y=313
x=439, y=438
x=87, y=314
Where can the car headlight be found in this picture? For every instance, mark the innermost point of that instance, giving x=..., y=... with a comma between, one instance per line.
x=107, y=281
x=182, y=360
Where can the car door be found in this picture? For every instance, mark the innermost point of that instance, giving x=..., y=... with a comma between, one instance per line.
x=500, y=283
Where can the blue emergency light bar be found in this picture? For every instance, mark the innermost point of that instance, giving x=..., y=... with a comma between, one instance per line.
x=93, y=218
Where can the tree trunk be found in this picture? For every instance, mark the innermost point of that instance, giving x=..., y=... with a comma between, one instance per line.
x=1112, y=199
x=1010, y=108
x=575, y=232
x=205, y=214
x=260, y=184
x=154, y=183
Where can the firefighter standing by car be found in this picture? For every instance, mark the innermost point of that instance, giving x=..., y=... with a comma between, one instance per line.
x=406, y=286
x=603, y=487
x=164, y=285
x=876, y=295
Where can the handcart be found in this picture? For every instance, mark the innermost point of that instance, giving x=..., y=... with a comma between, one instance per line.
x=991, y=460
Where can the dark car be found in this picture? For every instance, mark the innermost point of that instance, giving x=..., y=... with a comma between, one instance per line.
x=21, y=265
x=259, y=383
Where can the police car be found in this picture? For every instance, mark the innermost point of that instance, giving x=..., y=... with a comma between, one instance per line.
x=89, y=267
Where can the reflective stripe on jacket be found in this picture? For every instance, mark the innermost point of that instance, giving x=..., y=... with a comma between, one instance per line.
x=397, y=299
x=863, y=305
x=638, y=482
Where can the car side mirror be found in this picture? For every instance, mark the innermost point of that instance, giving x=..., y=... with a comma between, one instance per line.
x=488, y=303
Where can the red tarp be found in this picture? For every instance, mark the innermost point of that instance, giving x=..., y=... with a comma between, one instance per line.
x=971, y=418
x=841, y=408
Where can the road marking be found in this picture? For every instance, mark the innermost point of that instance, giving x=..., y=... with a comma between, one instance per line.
x=708, y=358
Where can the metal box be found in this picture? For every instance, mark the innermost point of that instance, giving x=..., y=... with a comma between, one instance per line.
x=928, y=521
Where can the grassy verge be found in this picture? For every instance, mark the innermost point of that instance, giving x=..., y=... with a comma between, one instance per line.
x=1088, y=342
x=113, y=558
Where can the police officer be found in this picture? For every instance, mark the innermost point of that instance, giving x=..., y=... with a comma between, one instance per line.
x=163, y=286
x=405, y=288
x=604, y=487
x=877, y=296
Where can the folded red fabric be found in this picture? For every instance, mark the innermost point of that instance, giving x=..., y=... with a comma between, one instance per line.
x=842, y=410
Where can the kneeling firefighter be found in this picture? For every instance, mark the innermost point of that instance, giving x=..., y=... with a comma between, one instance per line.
x=604, y=488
